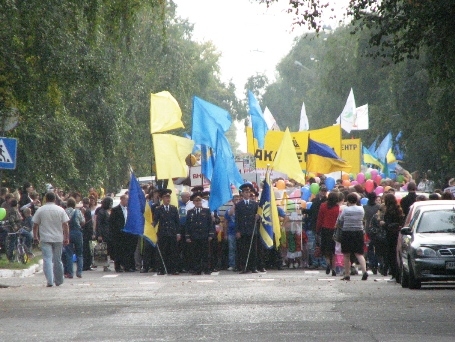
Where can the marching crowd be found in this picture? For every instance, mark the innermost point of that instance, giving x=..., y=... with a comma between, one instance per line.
x=193, y=239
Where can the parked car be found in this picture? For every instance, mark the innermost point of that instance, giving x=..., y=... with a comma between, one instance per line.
x=428, y=244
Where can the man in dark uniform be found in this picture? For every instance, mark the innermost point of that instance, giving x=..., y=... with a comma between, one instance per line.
x=199, y=233
x=246, y=229
x=167, y=217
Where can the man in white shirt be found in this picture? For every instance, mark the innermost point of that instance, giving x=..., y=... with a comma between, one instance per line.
x=50, y=228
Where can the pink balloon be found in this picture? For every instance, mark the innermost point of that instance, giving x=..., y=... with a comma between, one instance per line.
x=369, y=185
x=377, y=179
x=360, y=177
x=405, y=187
x=374, y=173
x=354, y=183
x=379, y=190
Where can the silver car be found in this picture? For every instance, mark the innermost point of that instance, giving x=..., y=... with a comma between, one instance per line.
x=428, y=245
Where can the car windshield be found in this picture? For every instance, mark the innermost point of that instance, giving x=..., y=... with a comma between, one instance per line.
x=437, y=221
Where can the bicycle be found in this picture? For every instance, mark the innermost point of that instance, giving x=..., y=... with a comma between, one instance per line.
x=20, y=252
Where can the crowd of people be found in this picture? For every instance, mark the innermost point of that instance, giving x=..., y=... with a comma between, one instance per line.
x=193, y=239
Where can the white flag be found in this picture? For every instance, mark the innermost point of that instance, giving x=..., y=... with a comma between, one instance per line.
x=361, y=118
x=304, y=125
x=270, y=120
x=348, y=113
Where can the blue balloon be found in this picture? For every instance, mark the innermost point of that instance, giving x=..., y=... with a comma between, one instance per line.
x=330, y=183
x=306, y=193
x=363, y=201
x=393, y=176
x=309, y=204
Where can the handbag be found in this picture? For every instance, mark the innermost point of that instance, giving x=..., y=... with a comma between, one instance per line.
x=337, y=234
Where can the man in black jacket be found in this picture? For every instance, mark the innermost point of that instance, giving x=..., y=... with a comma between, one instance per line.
x=409, y=199
x=123, y=244
x=199, y=232
x=167, y=217
x=246, y=230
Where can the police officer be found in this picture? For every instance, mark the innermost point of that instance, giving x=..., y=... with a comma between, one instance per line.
x=167, y=216
x=246, y=229
x=199, y=233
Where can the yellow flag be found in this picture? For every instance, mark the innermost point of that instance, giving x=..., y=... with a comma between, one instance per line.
x=286, y=160
x=174, y=199
x=170, y=154
x=165, y=112
x=149, y=230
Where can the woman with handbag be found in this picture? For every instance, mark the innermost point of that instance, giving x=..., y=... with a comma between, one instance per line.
x=325, y=227
x=351, y=223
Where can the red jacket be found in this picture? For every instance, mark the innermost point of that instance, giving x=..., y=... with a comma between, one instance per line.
x=327, y=218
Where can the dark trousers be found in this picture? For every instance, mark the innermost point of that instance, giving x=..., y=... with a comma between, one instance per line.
x=200, y=255
x=391, y=253
x=87, y=253
x=168, y=248
x=244, y=247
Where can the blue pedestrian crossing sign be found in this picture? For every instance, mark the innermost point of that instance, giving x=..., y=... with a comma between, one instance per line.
x=8, y=153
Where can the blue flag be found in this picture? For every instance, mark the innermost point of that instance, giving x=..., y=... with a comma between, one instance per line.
x=384, y=147
x=136, y=206
x=207, y=161
x=208, y=119
x=372, y=147
x=220, y=186
x=257, y=120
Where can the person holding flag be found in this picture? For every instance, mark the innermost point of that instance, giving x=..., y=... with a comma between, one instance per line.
x=246, y=219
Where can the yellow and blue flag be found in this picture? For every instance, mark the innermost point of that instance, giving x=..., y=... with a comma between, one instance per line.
x=270, y=223
x=322, y=158
x=369, y=158
x=136, y=206
x=257, y=120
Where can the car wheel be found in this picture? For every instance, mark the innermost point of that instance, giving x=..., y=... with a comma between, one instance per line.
x=404, y=277
x=413, y=282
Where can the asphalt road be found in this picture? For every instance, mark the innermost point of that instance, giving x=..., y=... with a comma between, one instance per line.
x=290, y=305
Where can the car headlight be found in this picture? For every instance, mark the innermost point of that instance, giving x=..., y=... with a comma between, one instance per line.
x=425, y=252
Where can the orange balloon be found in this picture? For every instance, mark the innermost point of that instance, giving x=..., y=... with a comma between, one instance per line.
x=345, y=176
x=346, y=182
x=302, y=204
x=280, y=184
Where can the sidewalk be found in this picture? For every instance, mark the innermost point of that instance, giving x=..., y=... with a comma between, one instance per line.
x=27, y=272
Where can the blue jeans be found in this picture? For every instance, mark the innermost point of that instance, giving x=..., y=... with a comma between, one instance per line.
x=74, y=247
x=52, y=262
x=315, y=262
x=232, y=247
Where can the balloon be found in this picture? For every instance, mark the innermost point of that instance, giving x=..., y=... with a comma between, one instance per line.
x=387, y=188
x=314, y=188
x=368, y=175
x=330, y=183
x=405, y=187
x=369, y=185
x=400, y=179
x=354, y=183
x=317, y=179
x=296, y=193
x=280, y=184
x=346, y=182
x=374, y=173
x=360, y=177
x=393, y=176
x=2, y=213
x=309, y=204
x=303, y=204
x=306, y=193
x=379, y=190
x=345, y=176
x=363, y=201
x=351, y=176
x=377, y=179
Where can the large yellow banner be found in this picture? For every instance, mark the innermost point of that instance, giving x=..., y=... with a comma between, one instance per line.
x=351, y=152
x=329, y=135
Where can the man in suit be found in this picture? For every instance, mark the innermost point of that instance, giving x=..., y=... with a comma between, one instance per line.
x=123, y=244
x=246, y=229
x=167, y=216
x=199, y=233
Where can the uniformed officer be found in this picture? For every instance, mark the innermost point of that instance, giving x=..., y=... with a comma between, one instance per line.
x=246, y=229
x=199, y=233
x=167, y=216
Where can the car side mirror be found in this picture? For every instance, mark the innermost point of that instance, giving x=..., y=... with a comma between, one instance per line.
x=406, y=231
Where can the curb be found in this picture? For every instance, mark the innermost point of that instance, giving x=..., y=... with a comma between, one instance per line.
x=5, y=273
